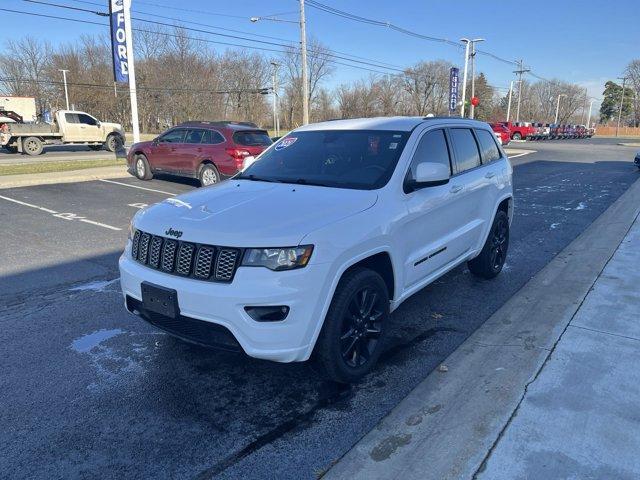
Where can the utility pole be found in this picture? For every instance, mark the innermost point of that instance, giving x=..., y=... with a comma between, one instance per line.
x=509, y=102
x=276, y=98
x=305, y=74
x=520, y=71
x=66, y=92
x=558, y=105
x=624, y=80
x=132, y=72
x=473, y=74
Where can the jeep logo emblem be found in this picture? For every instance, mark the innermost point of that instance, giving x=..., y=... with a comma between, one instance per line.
x=173, y=233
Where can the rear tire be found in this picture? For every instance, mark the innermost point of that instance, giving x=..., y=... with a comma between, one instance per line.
x=516, y=136
x=208, y=175
x=494, y=253
x=32, y=146
x=141, y=168
x=355, y=328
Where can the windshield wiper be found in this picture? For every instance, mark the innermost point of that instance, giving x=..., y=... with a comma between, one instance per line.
x=253, y=178
x=304, y=181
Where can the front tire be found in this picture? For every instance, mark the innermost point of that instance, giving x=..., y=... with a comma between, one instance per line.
x=355, y=328
x=113, y=142
x=517, y=136
x=142, y=169
x=494, y=253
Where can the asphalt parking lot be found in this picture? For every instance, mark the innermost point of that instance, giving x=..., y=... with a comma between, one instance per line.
x=91, y=391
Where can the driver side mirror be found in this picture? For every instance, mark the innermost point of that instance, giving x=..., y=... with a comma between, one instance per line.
x=428, y=174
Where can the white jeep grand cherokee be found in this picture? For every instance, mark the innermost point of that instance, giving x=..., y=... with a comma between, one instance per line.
x=308, y=250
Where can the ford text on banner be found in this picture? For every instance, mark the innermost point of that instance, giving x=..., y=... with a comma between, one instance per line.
x=453, y=89
x=119, y=41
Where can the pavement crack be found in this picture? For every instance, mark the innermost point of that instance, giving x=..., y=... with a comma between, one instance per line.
x=485, y=460
x=605, y=333
x=335, y=393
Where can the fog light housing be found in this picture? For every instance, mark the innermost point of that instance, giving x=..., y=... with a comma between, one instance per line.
x=274, y=313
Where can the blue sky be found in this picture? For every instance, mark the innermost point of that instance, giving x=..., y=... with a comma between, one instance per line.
x=587, y=42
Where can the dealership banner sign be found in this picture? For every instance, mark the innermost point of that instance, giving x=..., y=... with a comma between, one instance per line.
x=119, y=40
x=453, y=89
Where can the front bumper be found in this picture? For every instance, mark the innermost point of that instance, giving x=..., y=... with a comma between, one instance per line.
x=305, y=291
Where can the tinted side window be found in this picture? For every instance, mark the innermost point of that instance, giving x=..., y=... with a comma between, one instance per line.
x=212, y=137
x=432, y=147
x=253, y=139
x=467, y=155
x=173, y=136
x=71, y=118
x=86, y=119
x=488, y=148
x=194, y=136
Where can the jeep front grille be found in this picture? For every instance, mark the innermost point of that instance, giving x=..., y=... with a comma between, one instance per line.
x=187, y=259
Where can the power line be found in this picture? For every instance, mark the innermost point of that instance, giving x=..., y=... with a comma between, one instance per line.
x=204, y=40
x=391, y=26
x=139, y=87
x=236, y=37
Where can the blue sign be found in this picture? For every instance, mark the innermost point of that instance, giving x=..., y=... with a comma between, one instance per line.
x=453, y=89
x=119, y=41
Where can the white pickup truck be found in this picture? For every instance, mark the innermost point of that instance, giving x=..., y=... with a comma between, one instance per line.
x=69, y=127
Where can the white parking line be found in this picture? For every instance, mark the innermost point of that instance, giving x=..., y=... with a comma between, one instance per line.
x=28, y=205
x=62, y=215
x=521, y=154
x=136, y=186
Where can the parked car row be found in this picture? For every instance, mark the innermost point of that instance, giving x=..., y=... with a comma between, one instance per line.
x=539, y=131
x=554, y=131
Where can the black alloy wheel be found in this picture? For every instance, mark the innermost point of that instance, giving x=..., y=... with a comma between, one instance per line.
x=362, y=327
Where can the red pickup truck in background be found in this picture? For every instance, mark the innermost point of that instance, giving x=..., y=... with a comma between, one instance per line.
x=520, y=130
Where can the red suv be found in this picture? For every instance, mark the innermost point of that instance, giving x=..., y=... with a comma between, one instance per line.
x=208, y=151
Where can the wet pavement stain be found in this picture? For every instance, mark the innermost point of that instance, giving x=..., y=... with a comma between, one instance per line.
x=388, y=446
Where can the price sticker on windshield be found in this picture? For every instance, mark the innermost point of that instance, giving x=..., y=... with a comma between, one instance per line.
x=286, y=142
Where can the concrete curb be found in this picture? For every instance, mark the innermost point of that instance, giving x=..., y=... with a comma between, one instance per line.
x=84, y=175
x=446, y=427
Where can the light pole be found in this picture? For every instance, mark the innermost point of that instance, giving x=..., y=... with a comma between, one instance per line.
x=276, y=109
x=64, y=79
x=473, y=73
x=558, y=105
x=303, y=55
x=589, y=115
x=464, y=75
x=624, y=80
x=509, y=102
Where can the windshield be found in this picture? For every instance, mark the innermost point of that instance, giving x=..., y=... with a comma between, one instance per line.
x=357, y=159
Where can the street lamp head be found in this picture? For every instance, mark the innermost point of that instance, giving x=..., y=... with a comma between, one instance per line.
x=254, y=19
x=465, y=40
x=478, y=40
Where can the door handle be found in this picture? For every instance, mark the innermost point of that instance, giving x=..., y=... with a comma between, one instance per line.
x=490, y=175
x=173, y=149
x=199, y=149
x=456, y=188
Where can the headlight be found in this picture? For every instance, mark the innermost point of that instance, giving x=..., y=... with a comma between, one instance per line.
x=286, y=258
x=131, y=230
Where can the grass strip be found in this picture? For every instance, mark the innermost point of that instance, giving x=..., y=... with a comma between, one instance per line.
x=61, y=166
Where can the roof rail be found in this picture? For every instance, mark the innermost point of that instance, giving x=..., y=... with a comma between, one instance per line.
x=217, y=123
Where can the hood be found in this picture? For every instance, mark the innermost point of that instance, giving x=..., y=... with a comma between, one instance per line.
x=141, y=145
x=243, y=213
x=110, y=127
